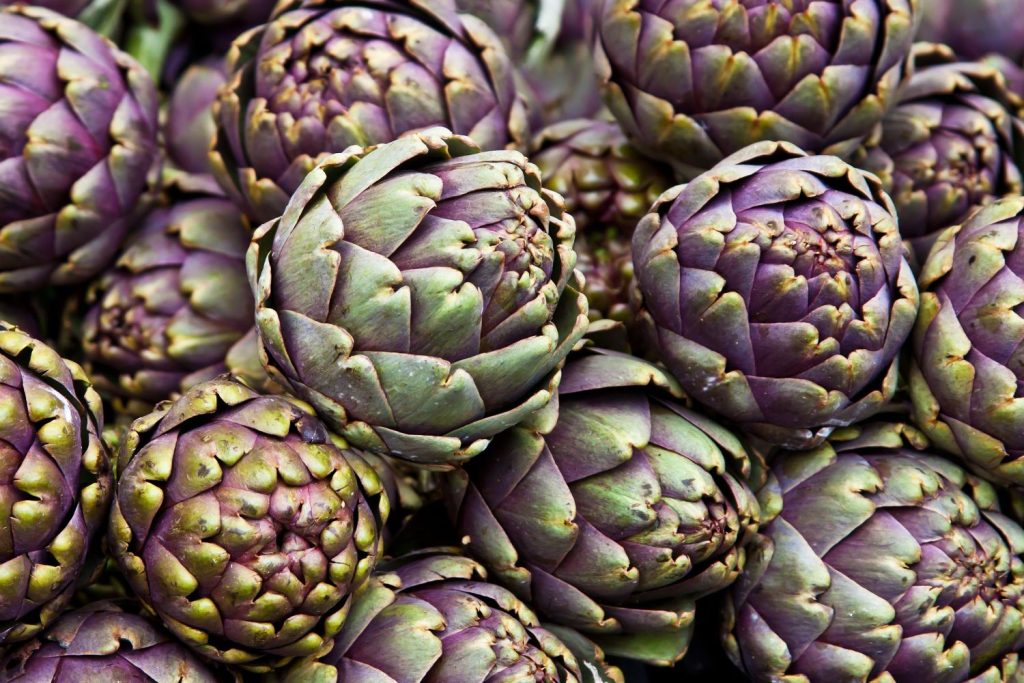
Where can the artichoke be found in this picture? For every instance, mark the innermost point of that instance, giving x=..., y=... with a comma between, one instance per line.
x=605, y=260
x=244, y=524
x=432, y=616
x=79, y=137
x=190, y=127
x=952, y=143
x=775, y=288
x=326, y=74
x=104, y=642
x=693, y=81
x=966, y=377
x=521, y=24
x=55, y=481
x=975, y=28
x=612, y=511
x=217, y=12
x=885, y=563
x=175, y=304
x=420, y=294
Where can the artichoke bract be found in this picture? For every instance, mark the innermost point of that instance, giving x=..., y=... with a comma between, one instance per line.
x=55, y=481
x=323, y=75
x=694, y=81
x=78, y=139
x=190, y=127
x=775, y=288
x=953, y=143
x=175, y=305
x=104, y=642
x=612, y=511
x=966, y=377
x=975, y=28
x=420, y=294
x=244, y=524
x=885, y=563
x=432, y=616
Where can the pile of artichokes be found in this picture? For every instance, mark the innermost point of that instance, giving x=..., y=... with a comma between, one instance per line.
x=520, y=341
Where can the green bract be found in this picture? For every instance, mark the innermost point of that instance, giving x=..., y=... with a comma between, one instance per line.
x=420, y=294
x=244, y=524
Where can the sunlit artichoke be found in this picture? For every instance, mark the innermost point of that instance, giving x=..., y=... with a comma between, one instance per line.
x=775, y=288
x=612, y=511
x=326, y=74
x=967, y=376
x=433, y=616
x=55, y=481
x=420, y=294
x=885, y=563
x=954, y=142
x=244, y=524
x=103, y=642
x=190, y=127
x=79, y=136
x=175, y=304
x=693, y=81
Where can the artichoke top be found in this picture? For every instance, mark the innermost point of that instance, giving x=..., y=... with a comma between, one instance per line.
x=775, y=288
x=321, y=76
x=244, y=524
x=694, y=81
x=967, y=374
x=55, y=481
x=421, y=294
x=613, y=509
x=885, y=562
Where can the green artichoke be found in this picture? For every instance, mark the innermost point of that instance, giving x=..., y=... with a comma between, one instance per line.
x=420, y=294
x=693, y=81
x=952, y=143
x=975, y=28
x=244, y=524
x=612, y=511
x=323, y=75
x=104, y=642
x=775, y=288
x=175, y=305
x=885, y=563
x=55, y=481
x=79, y=135
x=966, y=376
x=432, y=616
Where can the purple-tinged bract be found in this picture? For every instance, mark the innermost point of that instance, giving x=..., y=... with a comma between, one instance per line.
x=55, y=481
x=775, y=288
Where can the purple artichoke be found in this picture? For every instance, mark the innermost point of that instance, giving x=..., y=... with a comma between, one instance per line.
x=434, y=617
x=967, y=377
x=244, y=524
x=975, y=28
x=190, y=127
x=79, y=135
x=104, y=642
x=884, y=563
x=693, y=81
x=55, y=481
x=420, y=294
x=325, y=74
x=612, y=511
x=775, y=288
x=174, y=306
x=952, y=144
